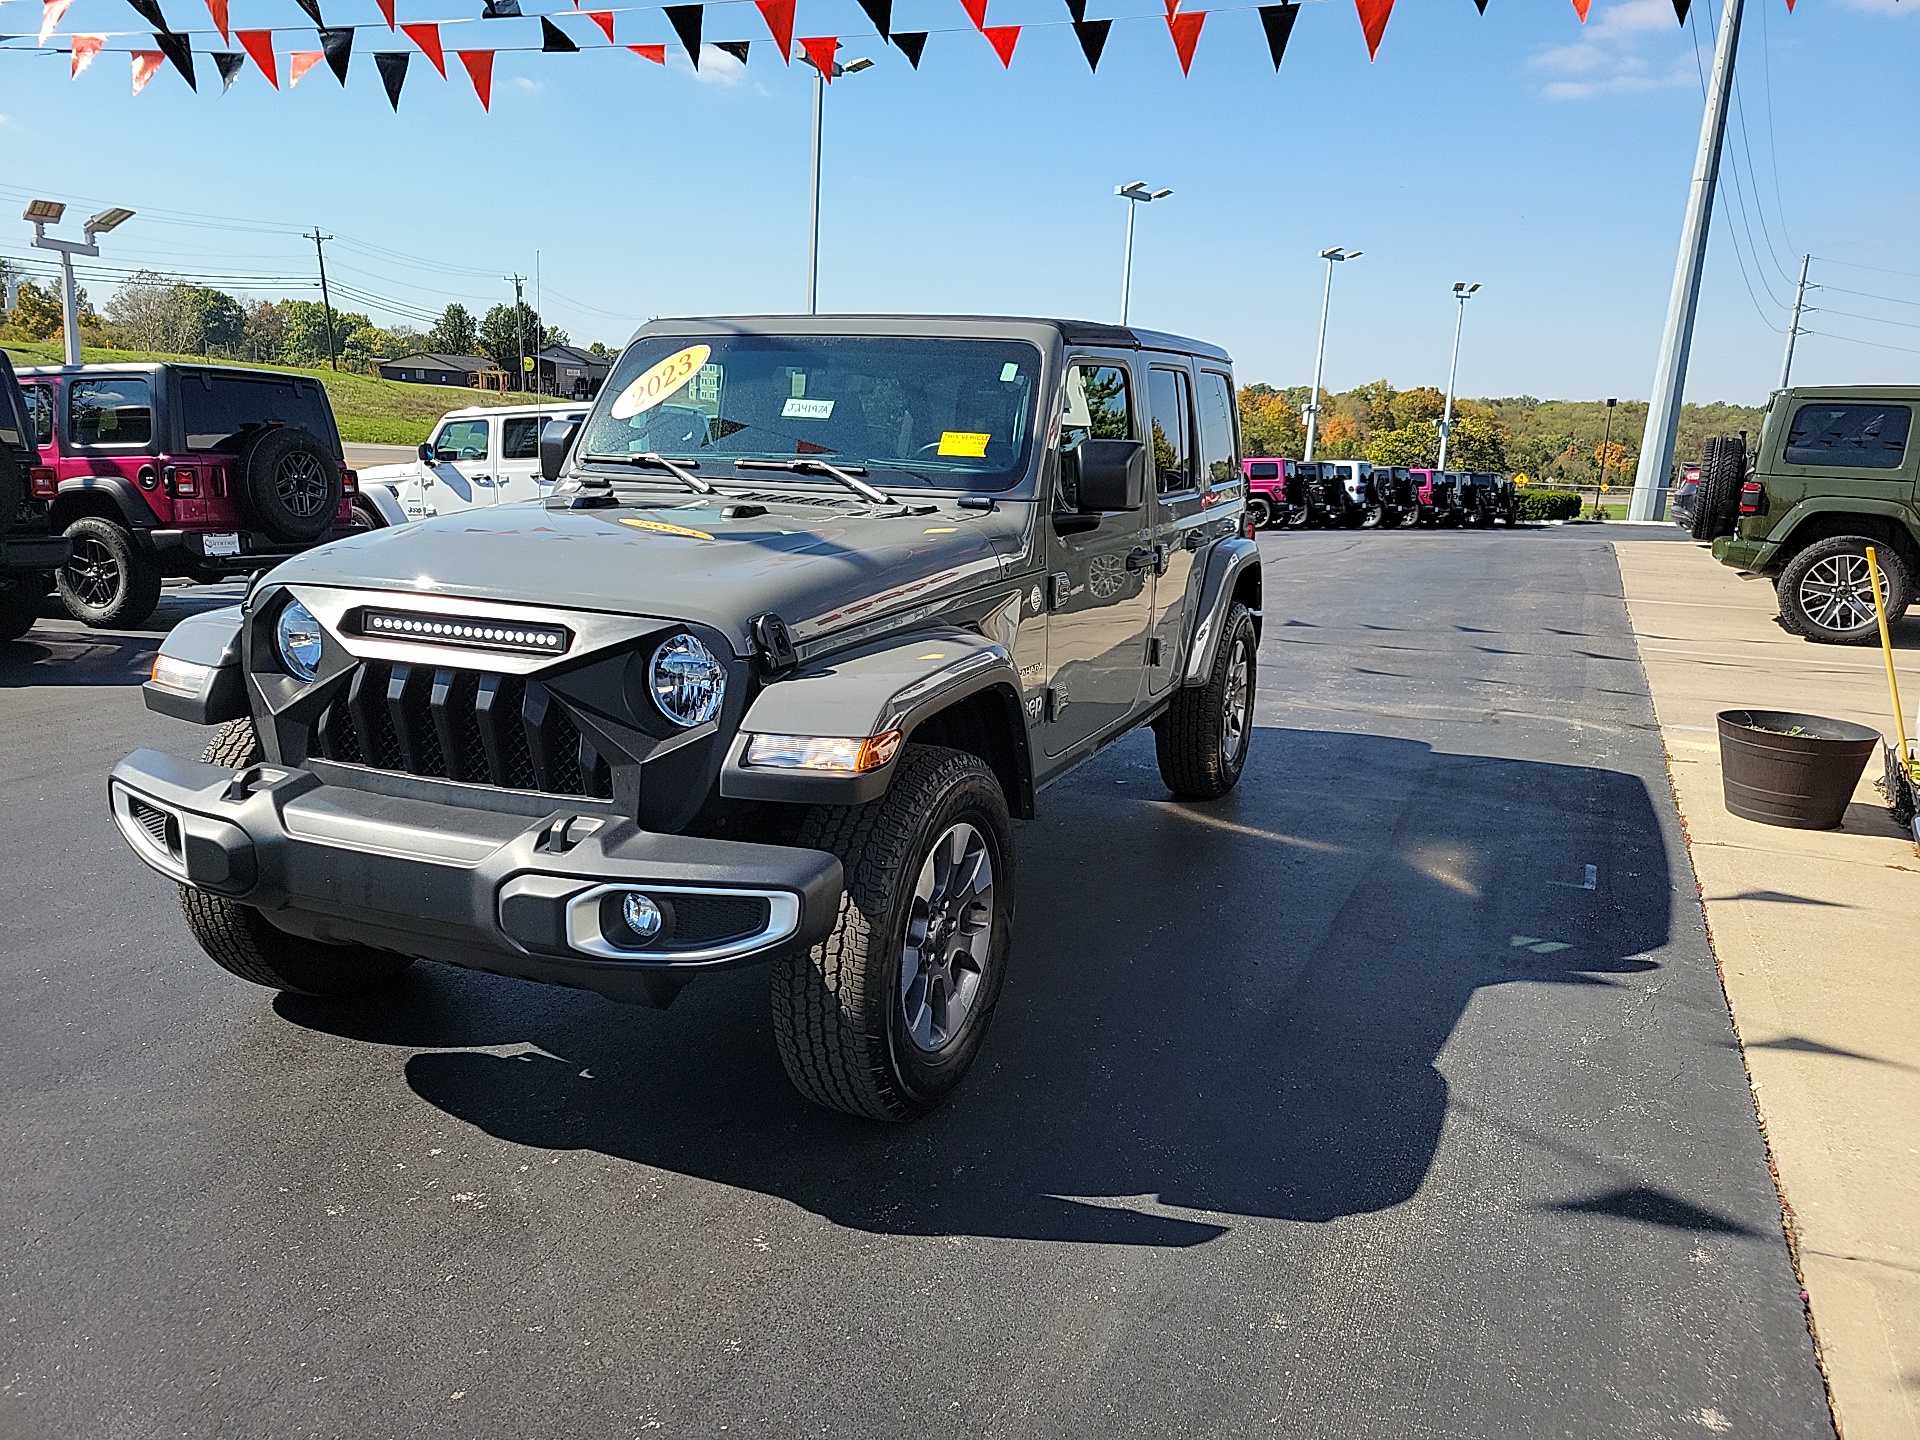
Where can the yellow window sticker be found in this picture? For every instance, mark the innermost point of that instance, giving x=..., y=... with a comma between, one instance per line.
x=969, y=444
x=660, y=529
x=660, y=381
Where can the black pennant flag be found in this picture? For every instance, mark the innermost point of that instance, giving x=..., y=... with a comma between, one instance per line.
x=312, y=7
x=393, y=73
x=1481, y=5
x=1077, y=9
x=229, y=62
x=880, y=12
x=1278, y=20
x=736, y=48
x=685, y=20
x=149, y=11
x=337, y=45
x=1093, y=39
x=1680, y=9
x=911, y=43
x=177, y=49
x=502, y=10
x=553, y=39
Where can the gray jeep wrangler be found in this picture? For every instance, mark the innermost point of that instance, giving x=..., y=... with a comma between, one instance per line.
x=816, y=607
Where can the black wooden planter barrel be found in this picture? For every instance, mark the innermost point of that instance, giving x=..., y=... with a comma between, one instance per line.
x=1800, y=780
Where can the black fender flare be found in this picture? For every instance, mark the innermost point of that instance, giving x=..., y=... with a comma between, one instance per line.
x=132, y=506
x=1227, y=562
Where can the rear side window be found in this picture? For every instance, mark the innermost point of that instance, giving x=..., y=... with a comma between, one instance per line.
x=520, y=437
x=110, y=412
x=1854, y=437
x=1216, y=430
x=217, y=411
x=40, y=411
x=1172, y=438
x=1263, y=470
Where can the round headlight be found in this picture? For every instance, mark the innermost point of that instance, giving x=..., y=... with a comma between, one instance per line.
x=298, y=638
x=688, y=683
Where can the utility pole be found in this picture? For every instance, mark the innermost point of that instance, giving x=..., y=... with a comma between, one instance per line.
x=1793, y=330
x=326, y=301
x=540, y=337
x=1670, y=375
x=1462, y=292
x=1320, y=351
x=520, y=330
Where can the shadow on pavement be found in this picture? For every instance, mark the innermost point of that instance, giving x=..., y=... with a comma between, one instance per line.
x=1166, y=1056
x=59, y=650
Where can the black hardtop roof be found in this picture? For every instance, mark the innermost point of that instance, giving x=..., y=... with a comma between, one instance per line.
x=153, y=367
x=1012, y=327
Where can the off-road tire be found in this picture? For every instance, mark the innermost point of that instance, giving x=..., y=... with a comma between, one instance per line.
x=1414, y=518
x=1194, y=742
x=838, y=1016
x=1716, y=501
x=1300, y=517
x=1373, y=517
x=288, y=483
x=235, y=747
x=1845, y=554
x=20, y=597
x=106, y=581
x=1260, y=510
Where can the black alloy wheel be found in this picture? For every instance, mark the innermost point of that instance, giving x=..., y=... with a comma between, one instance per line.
x=106, y=580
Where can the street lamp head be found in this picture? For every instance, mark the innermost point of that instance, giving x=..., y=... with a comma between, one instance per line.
x=854, y=67
x=1611, y=402
x=1160, y=194
x=44, y=212
x=108, y=220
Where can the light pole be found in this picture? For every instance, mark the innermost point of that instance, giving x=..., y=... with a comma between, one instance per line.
x=1462, y=292
x=48, y=212
x=820, y=78
x=1606, y=450
x=1136, y=194
x=1320, y=352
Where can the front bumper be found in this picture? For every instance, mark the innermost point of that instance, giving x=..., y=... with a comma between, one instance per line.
x=468, y=887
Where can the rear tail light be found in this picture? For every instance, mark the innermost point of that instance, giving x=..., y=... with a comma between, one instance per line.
x=349, y=481
x=1751, y=498
x=182, y=480
x=46, y=481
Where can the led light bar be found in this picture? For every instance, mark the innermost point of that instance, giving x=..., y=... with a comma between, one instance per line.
x=474, y=632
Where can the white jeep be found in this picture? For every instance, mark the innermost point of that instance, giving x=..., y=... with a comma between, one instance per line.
x=480, y=455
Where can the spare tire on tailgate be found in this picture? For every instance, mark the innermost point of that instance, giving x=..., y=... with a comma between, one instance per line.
x=1716, y=502
x=288, y=483
x=13, y=489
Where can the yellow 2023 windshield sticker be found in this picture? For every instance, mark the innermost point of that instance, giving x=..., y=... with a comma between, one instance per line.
x=659, y=529
x=968, y=444
x=660, y=381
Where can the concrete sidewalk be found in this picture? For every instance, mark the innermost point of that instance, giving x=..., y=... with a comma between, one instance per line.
x=1815, y=936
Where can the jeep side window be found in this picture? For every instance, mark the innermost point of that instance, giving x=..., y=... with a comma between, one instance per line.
x=110, y=412
x=1221, y=465
x=520, y=437
x=40, y=411
x=1854, y=437
x=1098, y=408
x=1172, y=440
x=463, y=440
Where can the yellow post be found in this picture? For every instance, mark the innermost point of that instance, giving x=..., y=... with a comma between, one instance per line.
x=1886, y=652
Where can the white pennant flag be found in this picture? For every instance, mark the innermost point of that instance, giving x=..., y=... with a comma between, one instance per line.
x=50, y=13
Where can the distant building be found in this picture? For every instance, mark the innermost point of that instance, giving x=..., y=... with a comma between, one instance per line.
x=570, y=372
x=462, y=370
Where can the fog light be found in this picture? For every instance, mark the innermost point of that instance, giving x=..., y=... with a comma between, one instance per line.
x=641, y=915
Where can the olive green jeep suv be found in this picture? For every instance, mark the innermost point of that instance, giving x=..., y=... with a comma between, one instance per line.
x=1833, y=473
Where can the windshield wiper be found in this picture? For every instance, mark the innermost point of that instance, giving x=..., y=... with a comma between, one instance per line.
x=848, y=475
x=653, y=461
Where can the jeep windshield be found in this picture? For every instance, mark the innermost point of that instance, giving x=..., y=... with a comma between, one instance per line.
x=950, y=414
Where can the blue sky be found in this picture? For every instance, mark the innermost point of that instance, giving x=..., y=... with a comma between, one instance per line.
x=1546, y=159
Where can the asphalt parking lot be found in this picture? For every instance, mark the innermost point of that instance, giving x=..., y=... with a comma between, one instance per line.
x=1394, y=1095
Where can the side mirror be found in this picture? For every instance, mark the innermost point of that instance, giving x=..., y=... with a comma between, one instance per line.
x=1113, y=474
x=426, y=452
x=556, y=439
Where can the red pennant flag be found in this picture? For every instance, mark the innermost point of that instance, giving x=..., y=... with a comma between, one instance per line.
x=656, y=53
x=1373, y=20
x=1173, y=8
x=301, y=61
x=218, y=10
x=479, y=65
x=976, y=12
x=386, y=9
x=820, y=51
x=1186, y=35
x=427, y=37
x=145, y=64
x=50, y=13
x=85, y=47
x=779, y=17
x=1580, y=8
x=604, y=19
x=259, y=44
x=1004, y=38
x=1789, y=7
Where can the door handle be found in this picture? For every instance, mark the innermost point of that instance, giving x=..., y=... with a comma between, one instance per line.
x=1144, y=558
x=1195, y=539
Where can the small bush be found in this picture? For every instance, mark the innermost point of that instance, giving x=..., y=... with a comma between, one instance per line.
x=1548, y=505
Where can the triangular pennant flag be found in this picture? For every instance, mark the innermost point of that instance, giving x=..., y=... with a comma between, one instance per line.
x=1277, y=21
x=976, y=12
x=145, y=63
x=229, y=63
x=393, y=73
x=386, y=13
x=1680, y=9
x=685, y=20
x=85, y=47
x=337, y=45
x=911, y=43
x=779, y=17
x=820, y=53
x=312, y=7
x=656, y=53
x=1092, y=35
x=501, y=10
x=1077, y=9
x=1373, y=21
x=259, y=44
x=299, y=62
x=179, y=50
x=50, y=13
x=1789, y=7
x=1579, y=8
x=1003, y=38
x=880, y=12
x=604, y=19
x=427, y=37
x=1481, y=6
x=218, y=10
x=1186, y=35
x=149, y=11
x=1173, y=8
x=554, y=40
x=736, y=48
x=479, y=65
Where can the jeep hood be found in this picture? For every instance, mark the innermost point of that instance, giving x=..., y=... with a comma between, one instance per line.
x=820, y=567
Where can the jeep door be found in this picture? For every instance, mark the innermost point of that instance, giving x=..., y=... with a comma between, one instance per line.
x=462, y=473
x=517, y=477
x=1099, y=569
x=1195, y=468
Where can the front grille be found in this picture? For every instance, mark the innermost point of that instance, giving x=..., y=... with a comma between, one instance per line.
x=458, y=725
